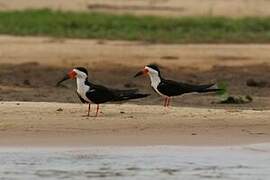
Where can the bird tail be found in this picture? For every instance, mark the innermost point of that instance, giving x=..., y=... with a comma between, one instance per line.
x=131, y=96
x=122, y=95
x=207, y=88
x=125, y=92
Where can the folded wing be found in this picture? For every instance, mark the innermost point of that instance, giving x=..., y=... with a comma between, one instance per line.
x=173, y=88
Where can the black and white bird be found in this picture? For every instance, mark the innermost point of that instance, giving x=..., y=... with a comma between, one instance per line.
x=168, y=88
x=92, y=93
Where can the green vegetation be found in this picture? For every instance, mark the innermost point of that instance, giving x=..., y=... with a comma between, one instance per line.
x=127, y=27
x=230, y=99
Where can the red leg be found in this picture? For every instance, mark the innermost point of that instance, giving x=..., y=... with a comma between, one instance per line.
x=89, y=108
x=165, y=101
x=168, y=102
x=97, y=110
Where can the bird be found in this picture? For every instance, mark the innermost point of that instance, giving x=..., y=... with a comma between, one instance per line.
x=169, y=88
x=89, y=92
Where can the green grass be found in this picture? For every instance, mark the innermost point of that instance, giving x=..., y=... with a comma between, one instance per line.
x=127, y=27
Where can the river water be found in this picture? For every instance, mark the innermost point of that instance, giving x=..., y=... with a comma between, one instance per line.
x=145, y=162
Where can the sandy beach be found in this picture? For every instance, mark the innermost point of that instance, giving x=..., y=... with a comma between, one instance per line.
x=43, y=124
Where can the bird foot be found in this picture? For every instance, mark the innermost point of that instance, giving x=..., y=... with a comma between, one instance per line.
x=90, y=115
x=86, y=115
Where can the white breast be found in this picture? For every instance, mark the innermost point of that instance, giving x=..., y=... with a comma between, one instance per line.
x=155, y=80
x=82, y=89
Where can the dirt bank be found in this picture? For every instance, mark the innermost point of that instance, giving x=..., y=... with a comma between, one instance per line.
x=236, y=8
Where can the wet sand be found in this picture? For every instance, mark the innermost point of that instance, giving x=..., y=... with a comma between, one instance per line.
x=43, y=124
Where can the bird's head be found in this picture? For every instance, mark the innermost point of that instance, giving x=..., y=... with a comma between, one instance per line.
x=78, y=72
x=150, y=69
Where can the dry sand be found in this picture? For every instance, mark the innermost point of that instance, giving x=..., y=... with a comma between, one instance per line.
x=40, y=124
x=231, y=8
x=30, y=67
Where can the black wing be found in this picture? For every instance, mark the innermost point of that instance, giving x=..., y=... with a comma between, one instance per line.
x=127, y=94
x=124, y=92
x=99, y=94
x=173, y=88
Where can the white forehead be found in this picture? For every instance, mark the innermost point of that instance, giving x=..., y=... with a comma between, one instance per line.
x=79, y=72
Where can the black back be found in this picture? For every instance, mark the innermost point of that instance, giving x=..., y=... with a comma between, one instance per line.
x=173, y=88
x=99, y=94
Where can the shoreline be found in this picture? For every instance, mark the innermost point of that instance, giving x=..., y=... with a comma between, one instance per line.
x=256, y=147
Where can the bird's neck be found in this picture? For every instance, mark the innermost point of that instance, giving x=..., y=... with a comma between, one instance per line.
x=155, y=80
x=82, y=88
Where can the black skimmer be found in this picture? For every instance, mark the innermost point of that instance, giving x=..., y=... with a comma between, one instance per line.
x=92, y=93
x=169, y=88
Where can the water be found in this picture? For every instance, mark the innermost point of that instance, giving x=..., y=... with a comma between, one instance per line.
x=150, y=162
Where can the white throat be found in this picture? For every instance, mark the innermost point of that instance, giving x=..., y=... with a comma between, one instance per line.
x=82, y=88
x=155, y=80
